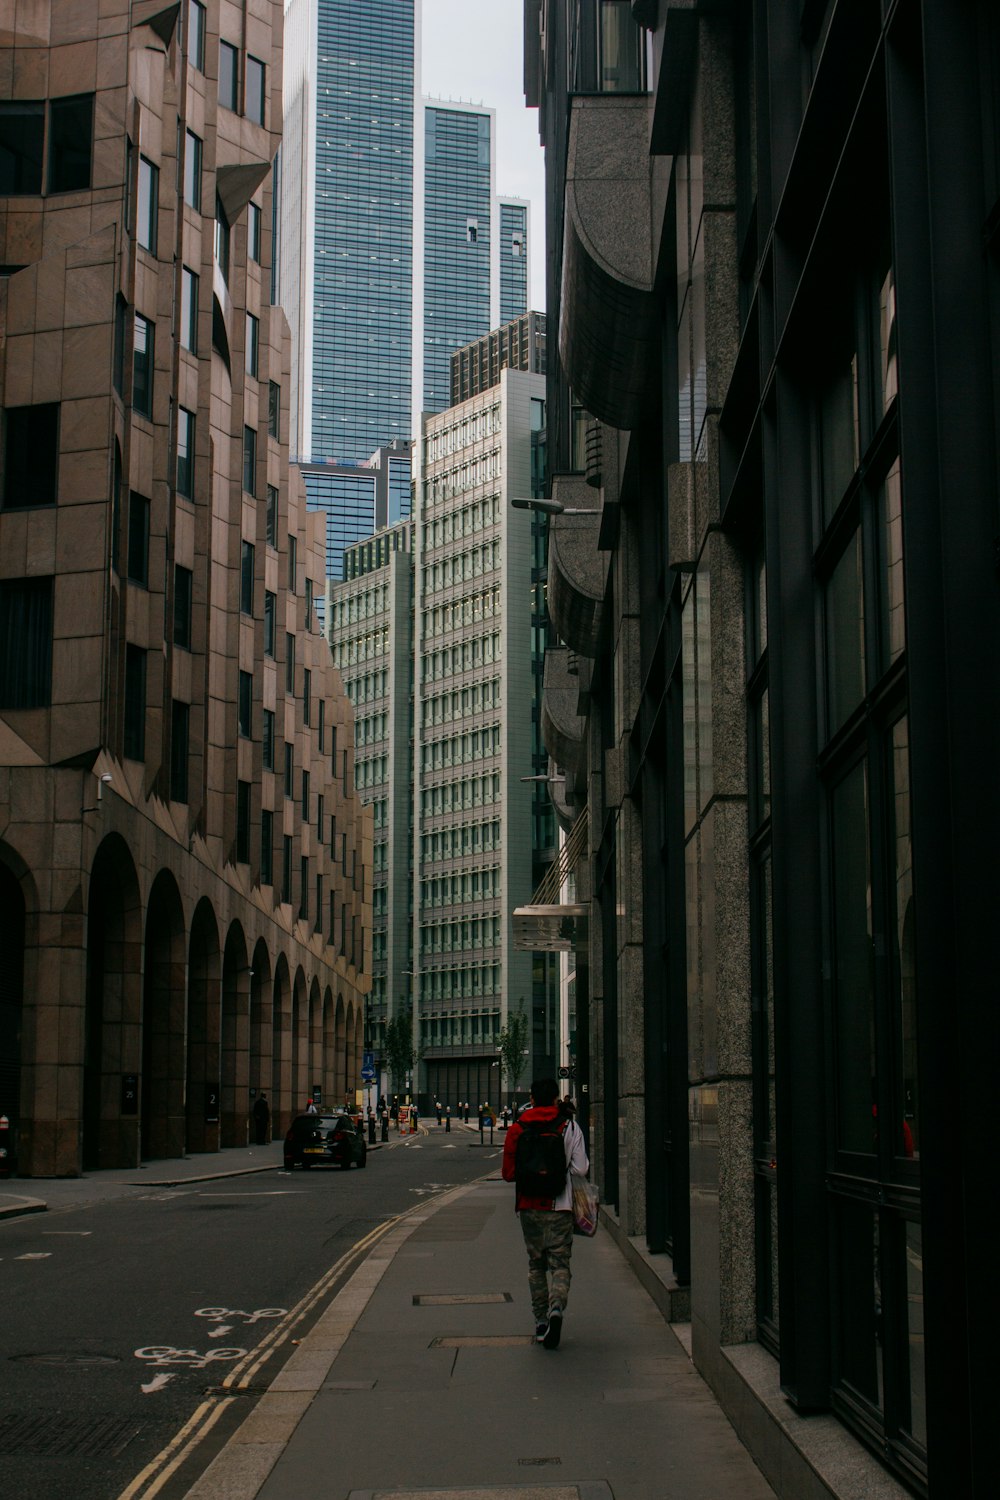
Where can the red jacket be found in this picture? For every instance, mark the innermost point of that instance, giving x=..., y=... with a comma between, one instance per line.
x=539, y=1112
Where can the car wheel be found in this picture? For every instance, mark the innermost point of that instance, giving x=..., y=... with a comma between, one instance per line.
x=364, y=1159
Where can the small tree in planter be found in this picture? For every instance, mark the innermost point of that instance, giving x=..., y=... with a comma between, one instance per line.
x=512, y=1045
x=399, y=1050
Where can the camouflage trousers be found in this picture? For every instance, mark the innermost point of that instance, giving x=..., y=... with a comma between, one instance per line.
x=548, y=1239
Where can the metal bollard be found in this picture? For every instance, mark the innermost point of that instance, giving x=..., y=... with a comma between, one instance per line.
x=385, y=1127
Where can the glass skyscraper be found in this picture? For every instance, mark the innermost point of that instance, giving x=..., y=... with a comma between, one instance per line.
x=513, y=258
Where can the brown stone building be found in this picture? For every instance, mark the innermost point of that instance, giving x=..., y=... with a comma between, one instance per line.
x=184, y=868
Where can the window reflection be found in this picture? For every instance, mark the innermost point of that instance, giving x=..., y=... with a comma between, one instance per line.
x=860, y=1324
x=855, y=1019
x=905, y=1107
x=893, y=622
x=912, y=1278
x=838, y=435
x=845, y=636
x=887, y=338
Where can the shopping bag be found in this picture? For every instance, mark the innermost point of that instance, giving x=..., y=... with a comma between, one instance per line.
x=585, y=1206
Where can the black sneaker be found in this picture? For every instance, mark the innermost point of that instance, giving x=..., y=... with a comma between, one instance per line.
x=541, y=1332
x=552, y=1333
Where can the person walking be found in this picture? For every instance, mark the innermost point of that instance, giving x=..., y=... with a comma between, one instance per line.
x=541, y=1150
x=262, y=1120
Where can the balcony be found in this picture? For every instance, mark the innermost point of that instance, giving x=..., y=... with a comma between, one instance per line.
x=563, y=729
x=608, y=327
x=577, y=570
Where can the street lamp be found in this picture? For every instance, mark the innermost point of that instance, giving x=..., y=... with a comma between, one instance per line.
x=553, y=507
x=549, y=780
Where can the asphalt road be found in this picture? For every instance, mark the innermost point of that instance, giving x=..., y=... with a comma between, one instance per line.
x=117, y=1318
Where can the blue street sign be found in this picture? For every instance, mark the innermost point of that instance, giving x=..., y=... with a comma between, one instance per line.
x=368, y=1062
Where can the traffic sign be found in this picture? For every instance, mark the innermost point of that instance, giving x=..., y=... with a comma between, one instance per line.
x=367, y=1075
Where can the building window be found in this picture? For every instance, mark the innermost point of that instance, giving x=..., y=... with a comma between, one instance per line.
x=306, y=693
x=286, y=869
x=271, y=517
x=118, y=352
x=267, y=739
x=253, y=232
x=183, y=602
x=274, y=409
x=319, y=817
x=249, y=459
x=229, y=76
x=31, y=453
x=266, y=846
x=270, y=632
x=70, y=146
x=320, y=723
x=309, y=603
x=22, y=144
x=246, y=577
x=472, y=231
x=245, y=705
x=25, y=643
x=138, y=539
x=147, y=216
x=293, y=565
x=142, y=367
x=256, y=77
x=185, y=452
x=180, y=728
x=252, y=351
x=289, y=663
x=304, y=888
x=221, y=246
x=319, y=903
x=134, y=741
x=196, y=35
x=242, y=822
x=192, y=169
x=289, y=770
x=305, y=796
x=189, y=310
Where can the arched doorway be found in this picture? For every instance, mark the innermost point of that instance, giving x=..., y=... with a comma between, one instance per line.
x=301, y=1082
x=112, y=1054
x=316, y=1070
x=12, y=931
x=329, y=1068
x=340, y=1048
x=235, y=1129
x=164, y=1029
x=283, y=1107
x=261, y=1033
x=202, y=1112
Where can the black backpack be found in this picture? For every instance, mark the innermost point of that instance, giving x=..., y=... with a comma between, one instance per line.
x=540, y=1158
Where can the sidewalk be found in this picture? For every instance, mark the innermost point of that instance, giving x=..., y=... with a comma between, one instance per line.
x=421, y=1381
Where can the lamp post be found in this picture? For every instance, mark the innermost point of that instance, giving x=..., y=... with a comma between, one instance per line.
x=414, y=975
x=554, y=507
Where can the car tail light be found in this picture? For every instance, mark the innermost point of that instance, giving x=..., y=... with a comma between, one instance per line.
x=289, y=1137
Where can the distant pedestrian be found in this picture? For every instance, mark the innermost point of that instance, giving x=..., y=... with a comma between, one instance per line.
x=466, y=1111
x=437, y=1108
x=311, y=1108
x=542, y=1148
x=261, y=1120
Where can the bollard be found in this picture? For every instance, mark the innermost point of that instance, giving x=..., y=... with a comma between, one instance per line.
x=371, y=1130
x=447, y=1123
x=385, y=1127
x=6, y=1159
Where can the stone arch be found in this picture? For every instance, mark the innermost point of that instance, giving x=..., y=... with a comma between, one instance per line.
x=14, y=911
x=261, y=1025
x=340, y=1047
x=301, y=1082
x=113, y=1011
x=283, y=1109
x=202, y=1079
x=164, y=1024
x=316, y=1069
x=234, y=1125
x=329, y=1055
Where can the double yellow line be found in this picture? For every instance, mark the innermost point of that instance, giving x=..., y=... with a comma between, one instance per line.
x=166, y=1463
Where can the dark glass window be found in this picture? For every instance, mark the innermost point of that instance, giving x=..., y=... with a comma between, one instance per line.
x=267, y=739
x=189, y=310
x=289, y=769
x=253, y=232
x=185, y=452
x=31, y=453
x=289, y=663
x=270, y=634
x=70, y=148
x=306, y=694
x=286, y=869
x=246, y=577
x=146, y=219
x=183, y=600
x=271, y=517
x=243, y=822
x=256, y=76
x=293, y=564
x=229, y=76
x=118, y=353
x=25, y=642
x=134, y=741
x=22, y=142
x=192, y=169
x=305, y=796
x=245, y=705
x=304, y=887
x=196, y=35
x=252, y=351
x=266, y=846
x=319, y=817
x=274, y=409
x=180, y=732
x=222, y=239
x=138, y=539
x=249, y=459
x=309, y=603
x=142, y=367
x=320, y=723
x=319, y=903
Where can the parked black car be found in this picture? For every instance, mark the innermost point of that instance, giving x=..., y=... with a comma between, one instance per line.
x=324, y=1140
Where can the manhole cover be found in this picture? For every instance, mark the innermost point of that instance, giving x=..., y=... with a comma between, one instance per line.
x=60, y=1357
x=59, y=1436
x=459, y=1299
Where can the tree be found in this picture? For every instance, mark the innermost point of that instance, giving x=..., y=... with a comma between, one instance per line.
x=512, y=1045
x=399, y=1053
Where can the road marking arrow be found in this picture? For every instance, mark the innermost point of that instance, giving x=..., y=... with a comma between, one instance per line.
x=156, y=1384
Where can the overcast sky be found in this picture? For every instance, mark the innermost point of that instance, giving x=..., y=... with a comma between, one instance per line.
x=473, y=51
